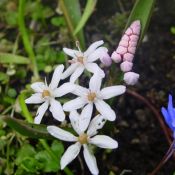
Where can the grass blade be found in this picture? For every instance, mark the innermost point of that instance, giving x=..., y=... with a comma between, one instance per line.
x=25, y=37
x=27, y=129
x=7, y=58
x=72, y=13
x=90, y=5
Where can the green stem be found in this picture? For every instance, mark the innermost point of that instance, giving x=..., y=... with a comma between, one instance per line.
x=24, y=108
x=25, y=37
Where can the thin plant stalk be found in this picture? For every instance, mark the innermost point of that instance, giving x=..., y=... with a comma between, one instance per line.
x=164, y=159
x=25, y=37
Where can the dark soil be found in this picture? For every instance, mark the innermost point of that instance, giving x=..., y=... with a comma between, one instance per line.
x=142, y=143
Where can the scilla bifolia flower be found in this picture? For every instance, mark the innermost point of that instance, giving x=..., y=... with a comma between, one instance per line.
x=125, y=52
x=95, y=95
x=84, y=60
x=46, y=95
x=80, y=123
x=169, y=114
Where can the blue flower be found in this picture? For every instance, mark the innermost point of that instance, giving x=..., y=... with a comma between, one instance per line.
x=169, y=114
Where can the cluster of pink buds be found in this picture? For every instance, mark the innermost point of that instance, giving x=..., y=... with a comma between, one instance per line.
x=125, y=52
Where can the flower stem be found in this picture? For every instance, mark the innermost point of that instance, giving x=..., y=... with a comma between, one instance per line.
x=164, y=159
x=25, y=37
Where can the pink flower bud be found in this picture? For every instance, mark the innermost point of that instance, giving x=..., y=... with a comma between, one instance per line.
x=116, y=57
x=106, y=59
x=128, y=43
x=126, y=66
x=128, y=57
x=131, y=78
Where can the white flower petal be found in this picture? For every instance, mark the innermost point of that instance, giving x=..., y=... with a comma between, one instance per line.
x=74, y=119
x=85, y=117
x=61, y=134
x=70, y=154
x=35, y=99
x=77, y=73
x=69, y=70
x=74, y=104
x=57, y=110
x=90, y=160
x=95, y=83
x=41, y=111
x=93, y=47
x=56, y=76
x=105, y=110
x=97, y=54
x=80, y=91
x=64, y=89
x=38, y=86
x=96, y=124
x=94, y=68
x=71, y=52
x=112, y=91
x=103, y=141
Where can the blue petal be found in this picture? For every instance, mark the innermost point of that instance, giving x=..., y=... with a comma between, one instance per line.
x=171, y=110
x=167, y=117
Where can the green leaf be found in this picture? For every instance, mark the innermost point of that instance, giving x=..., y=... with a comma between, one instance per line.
x=58, y=21
x=72, y=14
x=8, y=58
x=90, y=5
x=49, y=163
x=142, y=11
x=25, y=158
x=27, y=129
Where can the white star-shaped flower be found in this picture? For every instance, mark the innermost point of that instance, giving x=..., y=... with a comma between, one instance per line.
x=84, y=60
x=46, y=95
x=94, y=95
x=80, y=124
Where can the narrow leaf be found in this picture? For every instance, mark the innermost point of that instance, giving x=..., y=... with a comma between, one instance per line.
x=90, y=5
x=27, y=129
x=72, y=13
x=7, y=58
x=25, y=111
x=142, y=11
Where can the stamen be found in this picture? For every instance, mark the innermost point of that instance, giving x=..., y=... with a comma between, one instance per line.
x=45, y=93
x=80, y=59
x=78, y=45
x=83, y=139
x=91, y=96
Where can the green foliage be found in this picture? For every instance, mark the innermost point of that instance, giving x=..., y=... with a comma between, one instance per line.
x=32, y=160
x=90, y=5
x=72, y=14
x=27, y=129
x=7, y=58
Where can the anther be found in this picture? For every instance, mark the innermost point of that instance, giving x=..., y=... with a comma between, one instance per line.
x=45, y=93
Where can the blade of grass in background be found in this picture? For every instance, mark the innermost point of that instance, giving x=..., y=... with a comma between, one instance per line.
x=6, y=58
x=25, y=37
x=72, y=13
x=142, y=11
x=27, y=129
x=90, y=6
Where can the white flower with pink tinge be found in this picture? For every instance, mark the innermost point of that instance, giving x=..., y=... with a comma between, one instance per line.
x=80, y=123
x=84, y=60
x=46, y=95
x=94, y=95
x=131, y=78
x=127, y=47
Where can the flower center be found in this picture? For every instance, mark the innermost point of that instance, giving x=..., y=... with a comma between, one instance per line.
x=91, y=96
x=45, y=93
x=80, y=59
x=83, y=139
